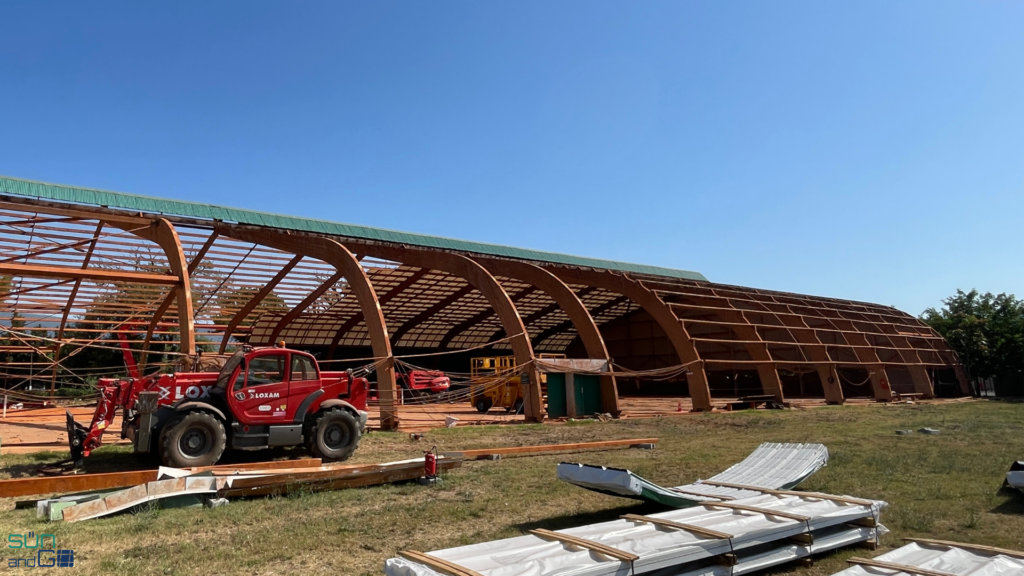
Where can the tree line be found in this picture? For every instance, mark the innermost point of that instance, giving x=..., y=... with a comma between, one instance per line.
x=986, y=331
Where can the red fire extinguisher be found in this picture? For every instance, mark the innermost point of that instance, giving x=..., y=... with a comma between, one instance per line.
x=430, y=462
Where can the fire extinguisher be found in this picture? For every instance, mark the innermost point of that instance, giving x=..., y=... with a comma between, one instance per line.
x=430, y=463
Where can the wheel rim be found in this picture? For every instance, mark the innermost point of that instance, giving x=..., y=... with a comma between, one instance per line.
x=336, y=436
x=195, y=442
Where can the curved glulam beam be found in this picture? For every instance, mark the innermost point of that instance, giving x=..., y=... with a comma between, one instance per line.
x=480, y=317
x=358, y=316
x=345, y=262
x=573, y=307
x=478, y=277
x=535, y=316
x=562, y=327
x=697, y=380
x=162, y=233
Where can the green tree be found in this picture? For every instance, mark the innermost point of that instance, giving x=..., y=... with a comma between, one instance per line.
x=985, y=330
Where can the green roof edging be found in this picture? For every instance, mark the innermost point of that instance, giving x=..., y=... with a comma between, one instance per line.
x=148, y=204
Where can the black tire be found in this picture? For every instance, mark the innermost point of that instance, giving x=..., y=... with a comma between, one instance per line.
x=334, y=435
x=195, y=439
x=517, y=407
x=483, y=405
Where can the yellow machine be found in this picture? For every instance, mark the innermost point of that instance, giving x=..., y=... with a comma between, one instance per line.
x=495, y=383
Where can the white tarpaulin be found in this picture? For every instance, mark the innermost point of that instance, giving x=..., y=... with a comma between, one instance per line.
x=944, y=558
x=757, y=539
x=774, y=466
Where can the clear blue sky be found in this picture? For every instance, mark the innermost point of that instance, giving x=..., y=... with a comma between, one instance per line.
x=866, y=150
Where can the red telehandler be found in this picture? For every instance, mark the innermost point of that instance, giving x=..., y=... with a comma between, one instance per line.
x=261, y=398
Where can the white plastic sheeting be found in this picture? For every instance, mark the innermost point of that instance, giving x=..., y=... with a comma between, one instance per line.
x=943, y=559
x=773, y=466
x=758, y=540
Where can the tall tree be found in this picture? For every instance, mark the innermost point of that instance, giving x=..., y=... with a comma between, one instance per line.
x=986, y=330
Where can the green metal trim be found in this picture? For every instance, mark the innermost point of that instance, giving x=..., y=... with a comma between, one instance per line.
x=74, y=195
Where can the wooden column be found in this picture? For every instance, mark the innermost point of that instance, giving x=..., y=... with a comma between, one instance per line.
x=573, y=307
x=345, y=262
x=922, y=382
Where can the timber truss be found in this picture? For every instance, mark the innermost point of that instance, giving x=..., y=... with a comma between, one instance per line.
x=73, y=275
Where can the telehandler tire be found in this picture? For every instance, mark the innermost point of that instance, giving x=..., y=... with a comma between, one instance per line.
x=334, y=435
x=195, y=439
x=483, y=405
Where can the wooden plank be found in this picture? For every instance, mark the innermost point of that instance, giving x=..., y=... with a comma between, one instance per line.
x=814, y=495
x=757, y=509
x=698, y=530
x=314, y=474
x=79, y=483
x=587, y=544
x=271, y=465
x=970, y=547
x=898, y=567
x=525, y=450
x=438, y=564
x=357, y=479
x=89, y=482
x=33, y=271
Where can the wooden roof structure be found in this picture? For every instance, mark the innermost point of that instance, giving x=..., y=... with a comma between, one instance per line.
x=74, y=273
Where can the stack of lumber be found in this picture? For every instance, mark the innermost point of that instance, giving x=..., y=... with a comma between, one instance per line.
x=178, y=487
x=95, y=495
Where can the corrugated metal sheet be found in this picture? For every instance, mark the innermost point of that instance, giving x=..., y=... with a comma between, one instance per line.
x=773, y=466
x=944, y=560
x=758, y=541
x=71, y=194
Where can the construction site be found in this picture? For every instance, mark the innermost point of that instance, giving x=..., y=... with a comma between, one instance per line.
x=176, y=356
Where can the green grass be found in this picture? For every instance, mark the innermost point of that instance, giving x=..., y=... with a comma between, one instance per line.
x=945, y=486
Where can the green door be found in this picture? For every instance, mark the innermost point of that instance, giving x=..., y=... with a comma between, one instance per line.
x=588, y=394
x=556, y=395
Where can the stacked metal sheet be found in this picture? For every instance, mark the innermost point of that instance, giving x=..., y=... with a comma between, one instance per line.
x=940, y=558
x=713, y=539
x=776, y=466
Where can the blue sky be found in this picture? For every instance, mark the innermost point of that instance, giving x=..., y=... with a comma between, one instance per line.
x=864, y=150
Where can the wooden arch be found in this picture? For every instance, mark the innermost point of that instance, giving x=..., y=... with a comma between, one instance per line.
x=569, y=302
x=348, y=266
x=478, y=277
x=662, y=313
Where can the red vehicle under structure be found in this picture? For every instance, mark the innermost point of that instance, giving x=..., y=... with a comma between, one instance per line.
x=261, y=398
x=423, y=382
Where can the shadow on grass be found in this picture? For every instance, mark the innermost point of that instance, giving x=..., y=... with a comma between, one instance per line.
x=574, y=520
x=1014, y=503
